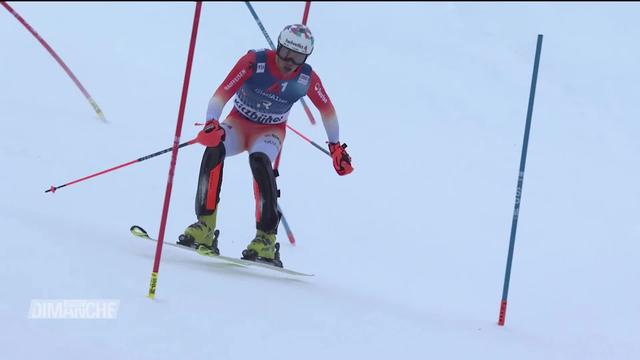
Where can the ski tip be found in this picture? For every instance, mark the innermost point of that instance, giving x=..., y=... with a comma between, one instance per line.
x=138, y=231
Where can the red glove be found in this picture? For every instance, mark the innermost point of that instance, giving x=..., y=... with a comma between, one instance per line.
x=341, y=160
x=212, y=134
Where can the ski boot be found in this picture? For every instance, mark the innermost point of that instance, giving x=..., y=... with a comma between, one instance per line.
x=202, y=236
x=263, y=248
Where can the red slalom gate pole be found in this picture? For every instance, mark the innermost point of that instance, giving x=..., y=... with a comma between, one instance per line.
x=306, y=12
x=174, y=154
x=64, y=66
x=305, y=16
x=273, y=47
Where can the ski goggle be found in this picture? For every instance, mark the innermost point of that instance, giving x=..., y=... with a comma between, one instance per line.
x=291, y=56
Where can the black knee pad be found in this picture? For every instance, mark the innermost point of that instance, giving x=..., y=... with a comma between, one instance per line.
x=268, y=193
x=210, y=180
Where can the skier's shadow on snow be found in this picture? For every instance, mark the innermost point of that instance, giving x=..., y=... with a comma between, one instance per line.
x=226, y=268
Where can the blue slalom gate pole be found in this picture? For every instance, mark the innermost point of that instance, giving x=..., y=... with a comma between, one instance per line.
x=516, y=209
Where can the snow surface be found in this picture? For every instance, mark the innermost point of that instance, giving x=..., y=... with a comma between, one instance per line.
x=409, y=251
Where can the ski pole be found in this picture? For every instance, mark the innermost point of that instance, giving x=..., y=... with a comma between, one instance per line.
x=266, y=35
x=310, y=141
x=292, y=239
x=302, y=136
x=64, y=66
x=53, y=189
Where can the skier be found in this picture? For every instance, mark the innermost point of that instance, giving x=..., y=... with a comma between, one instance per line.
x=266, y=83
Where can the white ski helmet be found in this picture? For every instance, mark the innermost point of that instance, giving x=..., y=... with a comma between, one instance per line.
x=297, y=37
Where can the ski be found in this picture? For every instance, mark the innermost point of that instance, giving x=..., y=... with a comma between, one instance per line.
x=141, y=233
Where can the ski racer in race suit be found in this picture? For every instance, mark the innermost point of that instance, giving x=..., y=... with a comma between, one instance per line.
x=267, y=84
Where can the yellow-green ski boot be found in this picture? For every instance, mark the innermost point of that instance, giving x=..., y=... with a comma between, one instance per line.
x=263, y=248
x=202, y=236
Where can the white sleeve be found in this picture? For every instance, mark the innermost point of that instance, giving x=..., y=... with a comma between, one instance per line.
x=214, y=110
